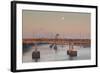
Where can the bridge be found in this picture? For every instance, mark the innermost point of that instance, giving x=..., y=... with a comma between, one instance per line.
x=58, y=41
x=71, y=42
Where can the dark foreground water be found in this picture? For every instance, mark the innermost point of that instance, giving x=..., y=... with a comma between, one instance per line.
x=49, y=54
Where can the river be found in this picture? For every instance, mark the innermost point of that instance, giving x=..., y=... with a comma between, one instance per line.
x=49, y=54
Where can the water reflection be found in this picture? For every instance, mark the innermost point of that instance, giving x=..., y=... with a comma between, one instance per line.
x=35, y=60
x=56, y=54
x=72, y=58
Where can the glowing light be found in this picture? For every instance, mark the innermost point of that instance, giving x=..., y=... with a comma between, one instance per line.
x=63, y=18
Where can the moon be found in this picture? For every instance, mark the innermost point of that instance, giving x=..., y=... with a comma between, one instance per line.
x=62, y=18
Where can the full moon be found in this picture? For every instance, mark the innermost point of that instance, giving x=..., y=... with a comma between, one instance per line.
x=62, y=18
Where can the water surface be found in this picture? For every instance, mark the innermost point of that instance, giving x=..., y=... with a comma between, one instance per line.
x=49, y=54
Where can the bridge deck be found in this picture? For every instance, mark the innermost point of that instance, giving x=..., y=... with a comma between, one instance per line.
x=57, y=41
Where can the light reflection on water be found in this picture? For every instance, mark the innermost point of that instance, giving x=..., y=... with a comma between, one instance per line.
x=49, y=54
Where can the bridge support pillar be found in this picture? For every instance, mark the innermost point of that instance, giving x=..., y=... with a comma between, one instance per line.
x=36, y=54
x=71, y=51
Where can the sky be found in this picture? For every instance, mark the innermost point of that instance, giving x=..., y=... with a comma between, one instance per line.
x=46, y=24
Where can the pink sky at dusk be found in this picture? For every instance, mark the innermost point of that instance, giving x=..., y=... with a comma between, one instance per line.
x=47, y=24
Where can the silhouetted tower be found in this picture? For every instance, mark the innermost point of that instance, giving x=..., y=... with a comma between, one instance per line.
x=55, y=44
